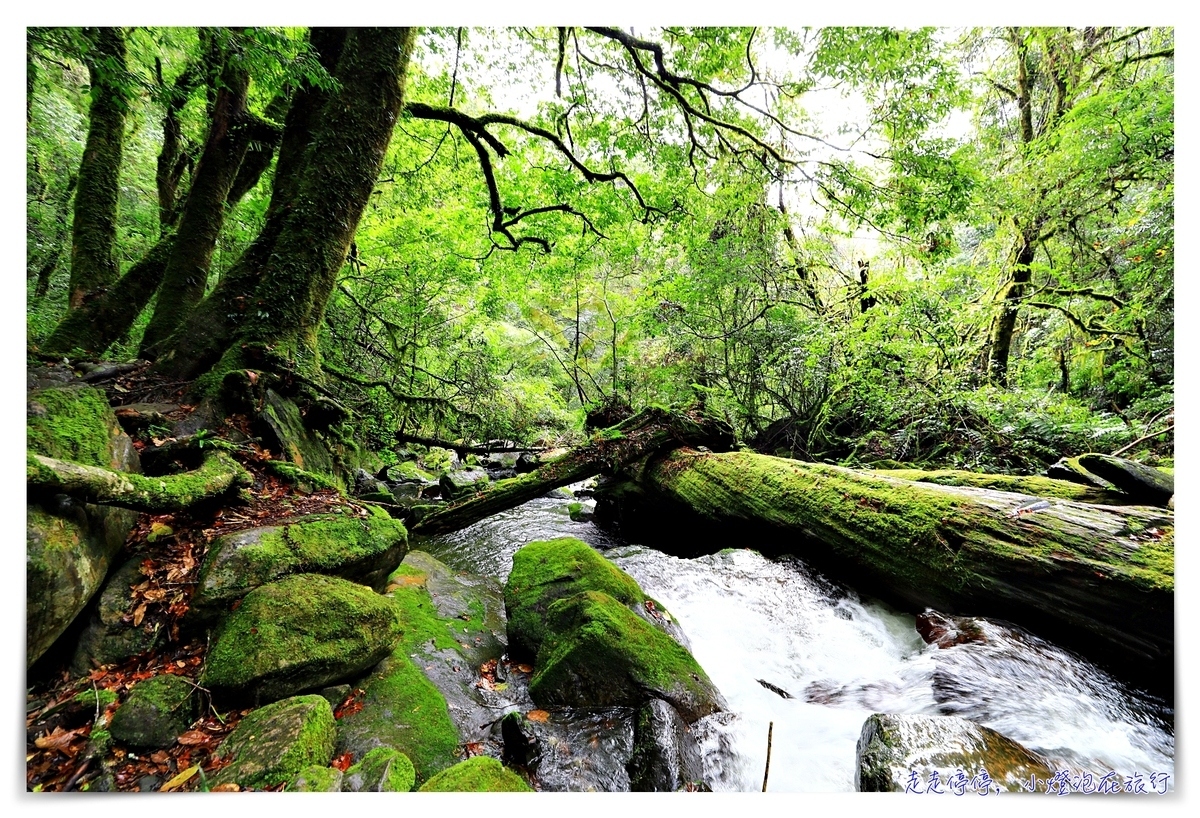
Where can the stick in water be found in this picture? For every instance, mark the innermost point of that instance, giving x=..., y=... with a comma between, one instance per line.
x=767, y=770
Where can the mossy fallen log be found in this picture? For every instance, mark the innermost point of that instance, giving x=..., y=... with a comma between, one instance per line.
x=1097, y=578
x=1034, y=485
x=218, y=473
x=648, y=432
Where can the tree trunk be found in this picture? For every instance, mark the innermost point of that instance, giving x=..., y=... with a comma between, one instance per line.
x=186, y=276
x=648, y=432
x=101, y=321
x=1097, y=578
x=1006, y=325
x=217, y=475
x=172, y=159
x=94, y=228
x=211, y=327
x=341, y=165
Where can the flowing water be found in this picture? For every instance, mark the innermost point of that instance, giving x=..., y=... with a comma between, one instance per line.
x=841, y=658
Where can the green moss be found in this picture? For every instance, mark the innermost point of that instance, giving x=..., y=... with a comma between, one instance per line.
x=300, y=632
x=598, y=653
x=478, y=774
x=402, y=709
x=274, y=743
x=99, y=699
x=381, y=770
x=408, y=470
x=299, y=477
x=157, y=710
x=317, y=778
x=1033, y=485
x=336, y=544
x=548, y=570
x=71, y=423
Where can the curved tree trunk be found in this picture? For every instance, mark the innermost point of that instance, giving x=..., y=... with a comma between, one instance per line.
x=94, y=228
x=1006, y=324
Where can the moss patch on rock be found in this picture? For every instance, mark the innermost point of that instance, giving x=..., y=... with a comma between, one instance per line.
x=548, y=570
x=478, y=774
x=272, y=745
x=598, y=653
x=381, y=770
x=73, y=423
x=317, y=779
x=300, y=632
x=157, y=711
x=363, y=549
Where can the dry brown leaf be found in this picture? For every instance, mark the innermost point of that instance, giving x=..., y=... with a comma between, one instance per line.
x=59, y=739
x=194, y=737
x=139, y=613
x=227, y=787
x=538, y=716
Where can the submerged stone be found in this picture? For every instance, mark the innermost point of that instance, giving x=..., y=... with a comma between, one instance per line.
x=892, y=747
x=272, y=745
x=301, y=632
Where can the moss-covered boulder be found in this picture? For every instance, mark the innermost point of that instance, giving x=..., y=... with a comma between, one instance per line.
x=108, y=637
x=157, y=710
x=546, y=571
x=272, y=745
x=478, y=774
x=364, y=549
x=381, y=770
x=402, y=709
x=299, y=444
x=598, y=653
x=70, y=544
x=456, y=484
x=298, y=633
x=891, y=747
x=317, y=779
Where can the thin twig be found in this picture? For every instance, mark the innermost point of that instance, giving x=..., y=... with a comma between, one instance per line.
x=767, y=769
x=1124, y=449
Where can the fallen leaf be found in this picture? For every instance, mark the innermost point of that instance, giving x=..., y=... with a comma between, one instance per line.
x=538, y=716
x=194, y=737
x=60, y=740
x=138, y=614
x=226, y=787
x=524, y=668
x=342, y=762
x=181, y=779
x=474, y=748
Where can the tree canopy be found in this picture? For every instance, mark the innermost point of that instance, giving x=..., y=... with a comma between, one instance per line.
x=859, y=245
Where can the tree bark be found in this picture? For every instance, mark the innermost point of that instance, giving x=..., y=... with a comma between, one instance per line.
x=341, y=165
x=94, y=228
x=104, y=319
x=186, y=276
x=645, y=434
x=217, y=474
x=1097, y=578
x=1006, y=324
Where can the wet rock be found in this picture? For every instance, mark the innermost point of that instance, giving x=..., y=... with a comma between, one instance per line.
x=69, y=544
x=272, y=745
x=478, y=774
x=302, y=632
x=1143, y=484
x=598, y=653
x=157, y=711
x=381, y=770
x=459, y=483
x=362, y=549
x=365, y=483
x=947, y=631
x=108, y=638
x=527, y=462
x=665, y=755
x=206, y=415
x=521, y=744
x=891, y=747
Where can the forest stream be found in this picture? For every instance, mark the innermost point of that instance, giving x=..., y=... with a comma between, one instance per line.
x=841, y=658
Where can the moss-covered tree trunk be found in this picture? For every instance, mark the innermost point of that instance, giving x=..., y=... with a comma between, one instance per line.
x=94, y=229
x=1099, y=578
x=1006, y=324
x=341, y=165
x=186, y=275
x=210, y=328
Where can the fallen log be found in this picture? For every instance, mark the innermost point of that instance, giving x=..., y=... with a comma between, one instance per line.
x=648, y=432
x=217, y=474
x=1096, y=578
x=1034, y=485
